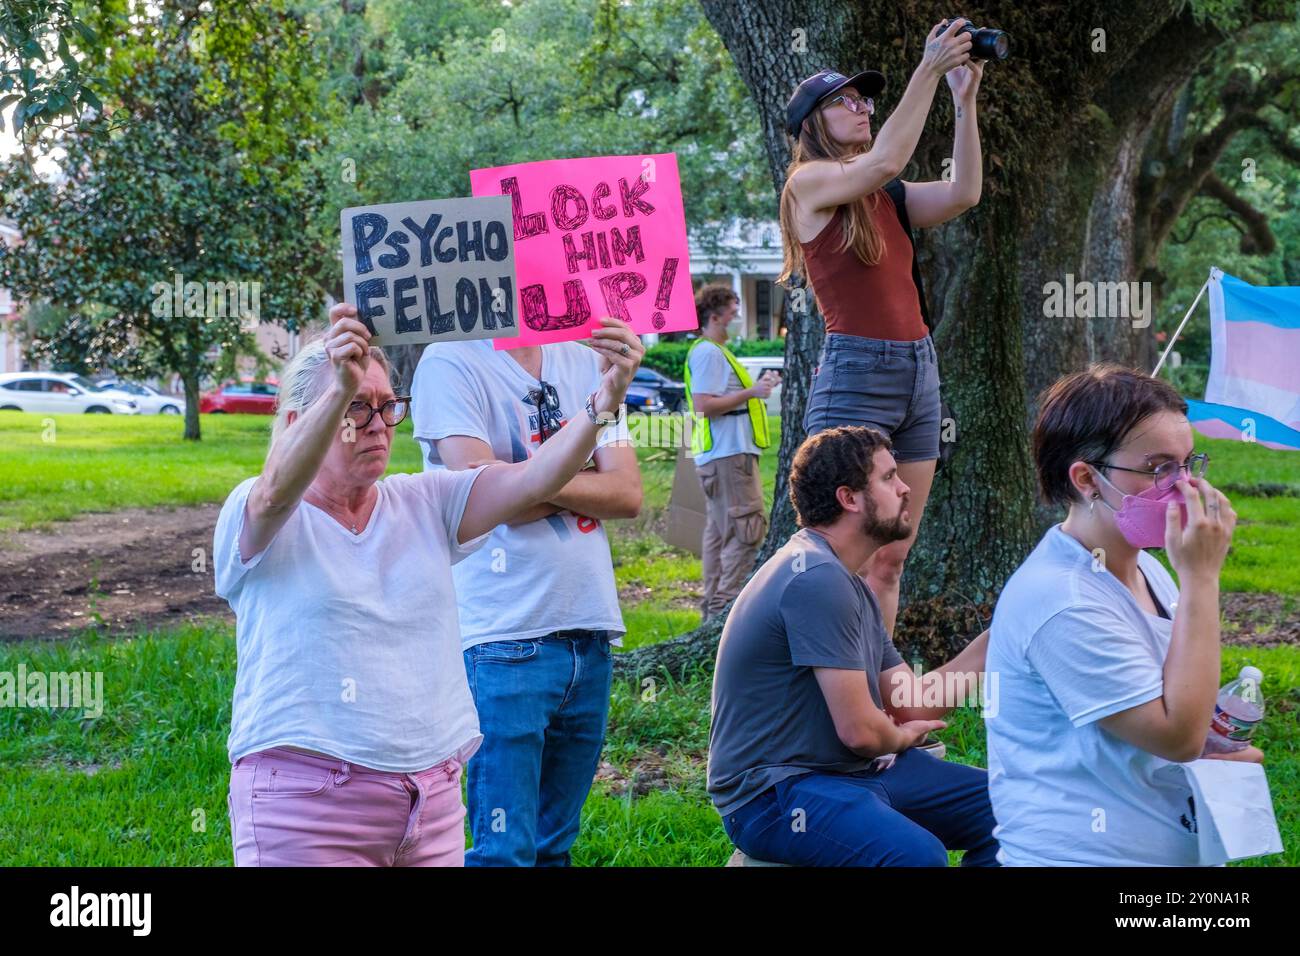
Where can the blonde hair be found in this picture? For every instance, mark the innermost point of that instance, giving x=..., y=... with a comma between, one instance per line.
x=305, y=379
x=859, y=229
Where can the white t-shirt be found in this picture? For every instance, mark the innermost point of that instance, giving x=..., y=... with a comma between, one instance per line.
x=552, y=574
x=348, y=643
x=712, y=374
x=1069, y=645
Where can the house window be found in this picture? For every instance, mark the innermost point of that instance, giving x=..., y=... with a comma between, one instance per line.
x=763, y=307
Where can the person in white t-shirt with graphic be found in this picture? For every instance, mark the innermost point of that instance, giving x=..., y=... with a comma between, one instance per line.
x=538, y=604
x=352, y=716
x=1106, y=669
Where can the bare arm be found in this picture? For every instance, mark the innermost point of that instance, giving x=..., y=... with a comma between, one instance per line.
x=929, y=204
x=502, y=492
x=862, y=726
x=1174, y=725
x=711, y=406
x=610, y=490
x=461, y=452
x=968, y=664
x=827, y=184
x=299, y=451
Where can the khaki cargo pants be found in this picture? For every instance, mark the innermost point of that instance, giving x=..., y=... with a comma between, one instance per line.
x=734, y=529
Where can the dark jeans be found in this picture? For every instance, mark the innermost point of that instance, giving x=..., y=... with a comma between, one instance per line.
x=908, y=815
x=542, y=705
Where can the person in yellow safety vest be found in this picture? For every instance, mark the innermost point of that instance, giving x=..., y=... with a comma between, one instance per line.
x=729, y=431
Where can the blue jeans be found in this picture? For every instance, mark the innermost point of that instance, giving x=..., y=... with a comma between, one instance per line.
x=542, y=705
x=908, y=815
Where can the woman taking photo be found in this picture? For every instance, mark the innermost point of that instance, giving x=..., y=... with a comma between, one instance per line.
x=352, y=716
x=842, y=234
x=1108, y=669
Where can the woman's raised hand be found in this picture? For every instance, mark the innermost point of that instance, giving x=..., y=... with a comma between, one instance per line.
x=945, y=48
x=620, y=351
x=1199, y=549
x=964, y=81
x=347, y=343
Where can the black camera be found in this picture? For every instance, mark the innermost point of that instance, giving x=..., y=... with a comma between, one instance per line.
x=985, y=44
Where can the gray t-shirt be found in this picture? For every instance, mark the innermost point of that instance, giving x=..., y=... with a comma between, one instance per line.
x=712, y=374
x=802, y=609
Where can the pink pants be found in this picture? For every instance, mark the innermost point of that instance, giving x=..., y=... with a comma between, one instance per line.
x=291, y=809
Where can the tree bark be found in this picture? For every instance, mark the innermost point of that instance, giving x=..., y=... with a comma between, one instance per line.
x=190, y=380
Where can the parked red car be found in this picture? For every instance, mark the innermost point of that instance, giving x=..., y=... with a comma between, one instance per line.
x=247, y=397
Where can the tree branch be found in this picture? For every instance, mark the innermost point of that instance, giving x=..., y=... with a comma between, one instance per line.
x=1276, y=137
x=1258, y=238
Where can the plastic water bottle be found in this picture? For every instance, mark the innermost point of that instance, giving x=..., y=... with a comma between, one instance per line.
x=1237, y=712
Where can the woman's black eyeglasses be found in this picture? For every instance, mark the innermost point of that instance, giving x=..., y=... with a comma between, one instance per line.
x=547, y=400
x=392, y=412
x=1166, y=473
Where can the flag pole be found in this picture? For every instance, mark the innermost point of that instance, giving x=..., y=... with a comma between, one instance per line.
x=1178, y=331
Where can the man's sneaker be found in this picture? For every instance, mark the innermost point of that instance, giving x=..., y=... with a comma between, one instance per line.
x=933, y=745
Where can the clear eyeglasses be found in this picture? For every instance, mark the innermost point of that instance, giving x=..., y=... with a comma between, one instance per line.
x=855, y=103
x=1166, y=473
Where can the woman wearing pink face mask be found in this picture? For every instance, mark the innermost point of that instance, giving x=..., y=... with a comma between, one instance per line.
x=1107, y=668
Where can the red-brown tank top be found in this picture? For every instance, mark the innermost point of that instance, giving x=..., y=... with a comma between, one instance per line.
x=875, y=302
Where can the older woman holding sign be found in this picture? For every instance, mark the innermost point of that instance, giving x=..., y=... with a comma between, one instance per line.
x=352, y=717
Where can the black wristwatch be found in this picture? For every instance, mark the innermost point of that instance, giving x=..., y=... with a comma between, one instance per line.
x=602, y=419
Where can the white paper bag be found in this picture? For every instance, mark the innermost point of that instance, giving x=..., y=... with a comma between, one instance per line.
x=1234, y=811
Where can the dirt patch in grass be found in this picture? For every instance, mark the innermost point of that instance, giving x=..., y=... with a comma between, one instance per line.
x=130, y=571
x=123, y=572
x=648, y=771
x=1260, y=620
x=685, y=597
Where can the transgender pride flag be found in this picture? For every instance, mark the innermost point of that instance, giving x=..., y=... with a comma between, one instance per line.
x=1253, y=390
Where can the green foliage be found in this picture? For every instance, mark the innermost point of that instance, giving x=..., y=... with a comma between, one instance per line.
x=670, y=357
x=1259, y=169
x=183, y=177
x=41, y=78
x=470, y=85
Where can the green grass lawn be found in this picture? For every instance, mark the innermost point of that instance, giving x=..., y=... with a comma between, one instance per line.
x=145, y=783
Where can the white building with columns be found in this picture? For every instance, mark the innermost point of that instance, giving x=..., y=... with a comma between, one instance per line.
x=748, y=257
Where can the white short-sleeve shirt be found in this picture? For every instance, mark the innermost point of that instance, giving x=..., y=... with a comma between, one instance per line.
x=531, y=579
x=1068, y=646
x=348, y=644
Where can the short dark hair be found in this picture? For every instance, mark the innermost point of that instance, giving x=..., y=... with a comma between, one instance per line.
x=713, y=298
x=1085, y=416
x=828, y=460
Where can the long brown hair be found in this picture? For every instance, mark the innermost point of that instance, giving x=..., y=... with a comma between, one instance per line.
x=859, y=229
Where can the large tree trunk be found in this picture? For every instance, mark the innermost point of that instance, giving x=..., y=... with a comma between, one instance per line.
x=190, y=380
x=1063, y=130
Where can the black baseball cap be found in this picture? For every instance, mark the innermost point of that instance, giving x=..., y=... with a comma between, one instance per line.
x=821, y=85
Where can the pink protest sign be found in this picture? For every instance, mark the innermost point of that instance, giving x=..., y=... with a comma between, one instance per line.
x=599, y=236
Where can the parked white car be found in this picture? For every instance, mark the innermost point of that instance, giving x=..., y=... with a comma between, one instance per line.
x=149, y=399
x=60, y=392
x=756, y=365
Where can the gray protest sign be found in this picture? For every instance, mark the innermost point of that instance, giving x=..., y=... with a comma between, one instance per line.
x=431, y=271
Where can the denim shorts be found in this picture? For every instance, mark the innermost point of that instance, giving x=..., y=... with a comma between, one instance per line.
x=888, y=385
